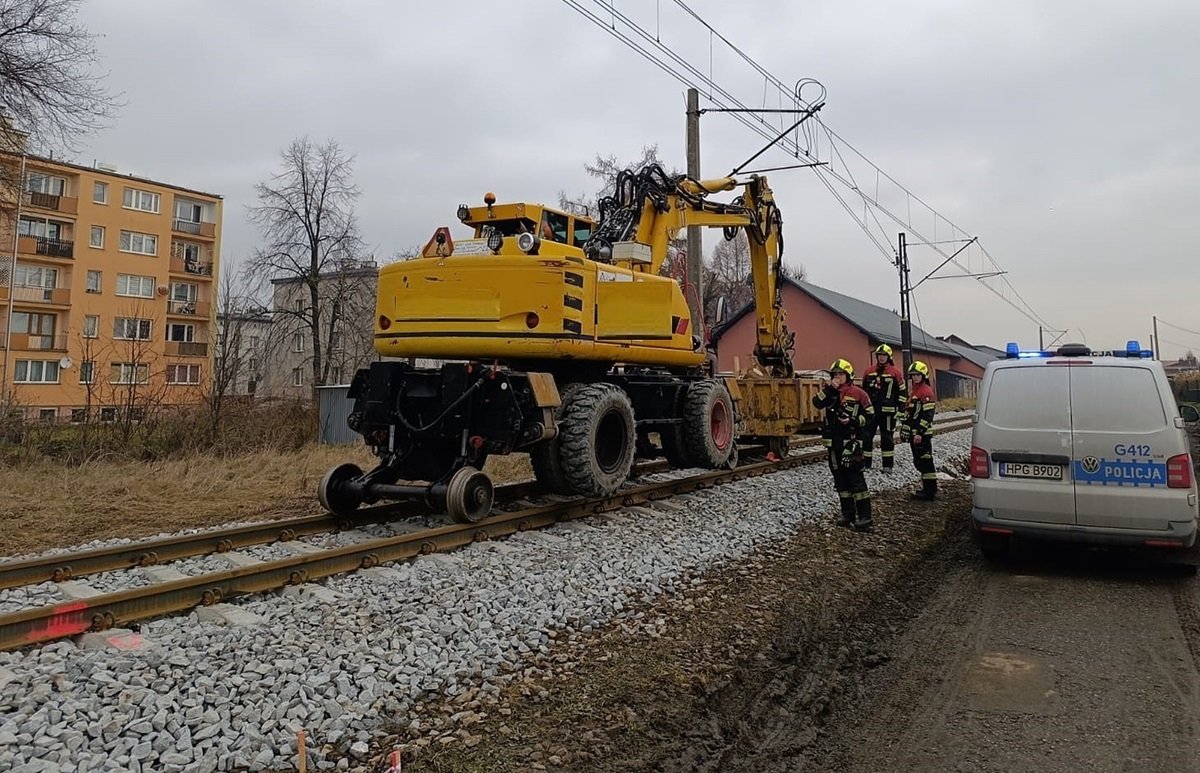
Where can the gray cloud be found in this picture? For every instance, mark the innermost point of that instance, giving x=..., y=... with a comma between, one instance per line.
x=1062, y=133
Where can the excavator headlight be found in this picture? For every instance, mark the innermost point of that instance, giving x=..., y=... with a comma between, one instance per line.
x=495, y=241
x=464, y=213
x=528, y=243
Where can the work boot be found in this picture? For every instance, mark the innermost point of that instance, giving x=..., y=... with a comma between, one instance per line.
x=847, y=517
x=927, y=492
x=863, y=521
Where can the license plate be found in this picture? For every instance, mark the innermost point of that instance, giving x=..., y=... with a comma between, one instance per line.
x=1029, y=470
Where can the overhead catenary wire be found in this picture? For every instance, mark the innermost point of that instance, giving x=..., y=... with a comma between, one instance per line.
x=1162, y=321
x=837, y=148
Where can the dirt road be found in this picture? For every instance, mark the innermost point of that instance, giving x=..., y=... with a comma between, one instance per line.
x=1057, y=661
x=897, y=651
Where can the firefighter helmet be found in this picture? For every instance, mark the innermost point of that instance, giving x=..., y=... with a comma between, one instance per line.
x=884, y=349
x=919, y=368
x=843, y=366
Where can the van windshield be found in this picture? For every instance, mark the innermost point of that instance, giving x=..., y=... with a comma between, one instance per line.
x=1029, y=398
x=1116, y=400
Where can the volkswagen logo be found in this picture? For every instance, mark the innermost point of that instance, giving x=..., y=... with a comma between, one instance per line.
x=1090, y=464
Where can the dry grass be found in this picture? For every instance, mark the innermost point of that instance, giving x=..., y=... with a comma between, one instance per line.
x=48, y=505
x=53, y=505
x=956, y=404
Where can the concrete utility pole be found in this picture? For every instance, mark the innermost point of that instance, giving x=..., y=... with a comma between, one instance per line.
x=1157, y=355
x=695, y=254
x=906, y=353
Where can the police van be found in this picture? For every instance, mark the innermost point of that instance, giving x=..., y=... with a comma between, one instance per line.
x=1082, y=446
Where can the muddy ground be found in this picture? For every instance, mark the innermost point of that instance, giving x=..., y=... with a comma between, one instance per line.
x=897, y=650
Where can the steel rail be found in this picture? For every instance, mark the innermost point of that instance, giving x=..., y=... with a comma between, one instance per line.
x=69, y=565
x=42, y=624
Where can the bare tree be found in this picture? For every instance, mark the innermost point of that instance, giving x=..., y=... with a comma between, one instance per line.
x=605, y=169
x=49, y=90
x=728, y=275
x=307, y=219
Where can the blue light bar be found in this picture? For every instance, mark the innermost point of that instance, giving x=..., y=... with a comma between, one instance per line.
x=1133, y=349
x=1147, y=354
x=1012, y=350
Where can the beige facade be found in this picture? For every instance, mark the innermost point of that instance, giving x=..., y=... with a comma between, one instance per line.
x=110, y=304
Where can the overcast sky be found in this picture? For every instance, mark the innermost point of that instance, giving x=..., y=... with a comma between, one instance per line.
x=1063, y=134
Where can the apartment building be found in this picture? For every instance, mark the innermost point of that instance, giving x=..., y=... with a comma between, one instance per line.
x=347, y=328
x=107, y=290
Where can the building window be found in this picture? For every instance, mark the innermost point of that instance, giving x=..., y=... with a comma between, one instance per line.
x=36, y=372
x=134, y=286
x=298, y=342
x=297, y=377
x=91, y=325
x=142, y=244
x=79, y=415
x=31, y=323
x=37, y=182
x=100, y=193
x=93, y=281
x=183, y=374
x=36, y=276
x=97, y=237
x=188, y=212
x=184, y=291
x=181, y=332
x=129, y=373
x=143, y=200
x=108, y=414
x=42, y=229
x=87, y=371
x=47, y=415
x=131, y=329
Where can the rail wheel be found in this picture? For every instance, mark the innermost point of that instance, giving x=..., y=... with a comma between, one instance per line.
x=469, y=495
x=778, y=446
x=333, y=493
x=544, y=457
x=596, y=439
x=708, y=424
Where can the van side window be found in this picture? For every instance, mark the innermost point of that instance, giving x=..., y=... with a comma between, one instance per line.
x=1116, y=400
x=1029, y=398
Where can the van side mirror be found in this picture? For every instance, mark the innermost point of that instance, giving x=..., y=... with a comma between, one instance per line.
x=1189, y=413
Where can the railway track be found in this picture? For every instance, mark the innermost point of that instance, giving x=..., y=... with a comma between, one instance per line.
x=308, y=563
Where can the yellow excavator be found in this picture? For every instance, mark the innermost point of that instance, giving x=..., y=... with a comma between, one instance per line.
x=561, y=338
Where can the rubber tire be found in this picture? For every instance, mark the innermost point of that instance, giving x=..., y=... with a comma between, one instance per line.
x=544, y=457
x=586, y=411
x=703, y=398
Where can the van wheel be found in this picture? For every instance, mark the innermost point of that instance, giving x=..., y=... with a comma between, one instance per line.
x=995, y=547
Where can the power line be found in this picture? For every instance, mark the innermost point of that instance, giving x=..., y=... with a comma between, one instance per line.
x=839, y=151
x=1177, y=327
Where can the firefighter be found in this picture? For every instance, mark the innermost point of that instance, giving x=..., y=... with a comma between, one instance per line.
x=847, y=414
x=885, y=385
x=917, y=428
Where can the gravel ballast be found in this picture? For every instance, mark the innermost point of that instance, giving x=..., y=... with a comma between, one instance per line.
x=202, y=696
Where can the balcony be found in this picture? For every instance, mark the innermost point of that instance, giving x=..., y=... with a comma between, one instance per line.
x=57, y=296
x=188, y=308
x=51, y=201
x=203, y=230
x=186, y=349
x=46, y=247
x=27, y=342
x=191, y=266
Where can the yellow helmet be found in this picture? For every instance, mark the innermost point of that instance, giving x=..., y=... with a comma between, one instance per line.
x=919, y=367
x=884, y=349
x=842, y=365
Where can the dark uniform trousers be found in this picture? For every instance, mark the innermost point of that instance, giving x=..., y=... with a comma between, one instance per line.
x=885, y=425
x=850, y=482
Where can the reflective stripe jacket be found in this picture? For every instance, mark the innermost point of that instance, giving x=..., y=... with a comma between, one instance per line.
x=918, y=414
x=846, y=401
x=886, y=386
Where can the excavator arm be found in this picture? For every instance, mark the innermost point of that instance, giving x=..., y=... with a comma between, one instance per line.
x=652, y=208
